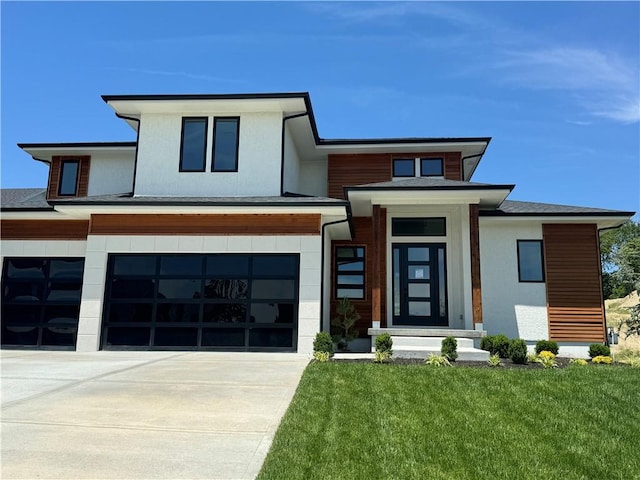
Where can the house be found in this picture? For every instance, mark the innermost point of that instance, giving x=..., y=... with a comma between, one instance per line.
x=231, y=224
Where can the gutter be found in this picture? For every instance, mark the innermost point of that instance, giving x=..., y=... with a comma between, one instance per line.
x=135, y=160
x=480, y=155
x=282, y=140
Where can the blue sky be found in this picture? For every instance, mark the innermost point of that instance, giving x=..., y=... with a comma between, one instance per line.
x=557, y=85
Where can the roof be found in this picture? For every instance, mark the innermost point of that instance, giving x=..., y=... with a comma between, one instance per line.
x=518, y=208
x=24, y=199
x=78, y=145
x=428, y=183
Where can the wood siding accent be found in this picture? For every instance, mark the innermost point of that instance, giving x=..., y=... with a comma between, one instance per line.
x=359, y=169
x=55, y=171
x=200, y=224
x=476, y=285
x=575, y=308
x=378, y=242
x=44, y=229
x=374, y=274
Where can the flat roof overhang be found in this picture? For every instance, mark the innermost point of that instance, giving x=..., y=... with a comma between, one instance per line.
x=603, y=221
x=43, y=152
x=363, y=198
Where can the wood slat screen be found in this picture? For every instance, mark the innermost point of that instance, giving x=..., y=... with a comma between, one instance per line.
x=574, y=290
x=476, y=284
x=215, y=224
x=44, y=229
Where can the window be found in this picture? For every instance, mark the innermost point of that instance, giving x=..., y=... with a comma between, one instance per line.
x=225, y=144
x=530, y=261
x=419, y=227
x=68, y=184
x=193, y=144
x=431, y=167
x=350, y=272
x=404, y=167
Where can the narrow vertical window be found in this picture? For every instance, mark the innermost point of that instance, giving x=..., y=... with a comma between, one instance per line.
x=68, y=184
x=349, y=267
x=225, y=144
x=193, y=144
x=530, y=261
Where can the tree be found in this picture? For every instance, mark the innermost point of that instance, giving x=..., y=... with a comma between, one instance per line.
x=343, y=322
x=620, y=259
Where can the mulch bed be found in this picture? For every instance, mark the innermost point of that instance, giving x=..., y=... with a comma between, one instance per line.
x=506, y=363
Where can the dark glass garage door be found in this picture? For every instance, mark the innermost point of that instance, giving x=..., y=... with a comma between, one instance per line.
x=41, y=302
x=201, y=302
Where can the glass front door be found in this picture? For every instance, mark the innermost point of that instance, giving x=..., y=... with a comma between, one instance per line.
x=419, y=284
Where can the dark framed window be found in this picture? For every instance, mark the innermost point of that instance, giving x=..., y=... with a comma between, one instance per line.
x=68, y=184
x=193, y=144
x=404, y=167
x=41, y=302
x=226, y=138
x=530, y=261
x=349, y=268
x=419, y=227
x=431, y=167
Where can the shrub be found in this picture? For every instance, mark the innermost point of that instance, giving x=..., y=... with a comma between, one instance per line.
x=632, y=324
x=449, y=348
x=598, y=349
x=437, y=361
x=518, y=351
x=547, y=345
x=323, y=343
x=547, y=359
x=384, y=343
x=627, y=356
x=581, y=362
x=343, y=323
x=382, y=356
x=486, y=343
x=532, y=357
x=500, y=346
x=494, y=361
x=606, y=359
x=322, y=356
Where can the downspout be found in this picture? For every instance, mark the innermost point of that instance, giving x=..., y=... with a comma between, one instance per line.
x=297, y=115
x=324, y=226
x=135, y=160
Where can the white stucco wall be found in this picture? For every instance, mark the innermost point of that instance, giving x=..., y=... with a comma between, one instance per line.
x=291, y=163
x=515, y=309
x=42, y=248
x=111, y=173
x=313, y=177
x=99, y=246
x=258, y=158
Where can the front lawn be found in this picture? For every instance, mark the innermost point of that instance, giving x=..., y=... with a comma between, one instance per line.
x=368, y=421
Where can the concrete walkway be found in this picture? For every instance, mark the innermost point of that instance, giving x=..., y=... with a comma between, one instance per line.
x=142, y=415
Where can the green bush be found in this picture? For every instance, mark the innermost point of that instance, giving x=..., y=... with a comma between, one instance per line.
x=598, y=349
x=449, y=348
x=323, y=343
x=384, y=343
x=500, y=345
x=437, y=361
x=547, y=346
x=486, y=343
x=494, y=361
x=518, y=351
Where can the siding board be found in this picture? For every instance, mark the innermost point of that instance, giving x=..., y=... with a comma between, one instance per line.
x=54, y=176
x=574, y=291
x=44, y=229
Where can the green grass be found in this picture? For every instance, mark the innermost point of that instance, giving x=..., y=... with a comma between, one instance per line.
x=367, y=421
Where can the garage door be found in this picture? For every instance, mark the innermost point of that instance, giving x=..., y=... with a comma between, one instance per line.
x=41, y=302
x=201, y=302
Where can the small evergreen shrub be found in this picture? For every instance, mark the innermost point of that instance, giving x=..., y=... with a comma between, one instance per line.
x=323, y=343
x=322, y=356
x=437, y=361
x=606, y=359
x=449, y=348
x=384, y=343
x=598, y=349
x=518, y=351
x=486, y=343
x=547, y=346
x=494, y=361
x=500, y=346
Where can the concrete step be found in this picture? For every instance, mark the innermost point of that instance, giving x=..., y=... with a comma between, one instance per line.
x=427, y=332
x=464, y=354
x=427, y=342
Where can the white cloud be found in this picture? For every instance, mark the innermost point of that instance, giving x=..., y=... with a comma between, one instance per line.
x=168, y=73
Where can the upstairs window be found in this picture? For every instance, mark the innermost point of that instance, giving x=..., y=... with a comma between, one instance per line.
x=431, y=167
x=349, y=272
x=530, y=261
x=225, y=144
x=68, y=185
x=404, y=167
x=193, y=144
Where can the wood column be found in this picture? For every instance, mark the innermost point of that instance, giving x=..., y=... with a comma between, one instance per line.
x=476, y=287
x=376, y=293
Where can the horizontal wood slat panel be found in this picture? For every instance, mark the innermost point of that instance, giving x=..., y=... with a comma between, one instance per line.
x=216, y=224
x=55, y=172
x=44, y=229
x=453, y=166
x=574, y=292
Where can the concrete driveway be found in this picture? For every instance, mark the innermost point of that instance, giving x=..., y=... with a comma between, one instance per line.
x=142, y=414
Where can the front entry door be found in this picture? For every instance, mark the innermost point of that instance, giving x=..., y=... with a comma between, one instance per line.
x=419, y=284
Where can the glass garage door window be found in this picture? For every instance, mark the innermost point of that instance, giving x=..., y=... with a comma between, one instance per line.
x=201, y=302
x=41, y=302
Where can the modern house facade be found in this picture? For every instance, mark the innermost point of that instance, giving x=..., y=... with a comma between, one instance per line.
x=230, y=224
